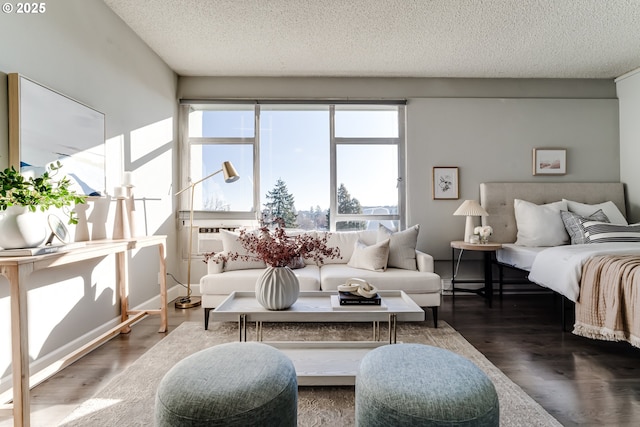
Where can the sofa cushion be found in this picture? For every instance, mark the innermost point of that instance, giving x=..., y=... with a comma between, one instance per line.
x=372, y=257
x=231, y=244
x=402, y=246
x=245, y=280
x=393, y=279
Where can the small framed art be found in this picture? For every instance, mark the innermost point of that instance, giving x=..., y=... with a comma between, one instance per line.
x=549, y=161
x=445, y=183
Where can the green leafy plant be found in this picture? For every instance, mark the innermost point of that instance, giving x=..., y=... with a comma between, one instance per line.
x=40, y=192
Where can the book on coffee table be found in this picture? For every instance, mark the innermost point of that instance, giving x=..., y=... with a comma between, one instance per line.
x=347, y=298
x=336, y=306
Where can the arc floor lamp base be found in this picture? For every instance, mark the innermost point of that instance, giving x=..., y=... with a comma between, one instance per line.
x=188, y=302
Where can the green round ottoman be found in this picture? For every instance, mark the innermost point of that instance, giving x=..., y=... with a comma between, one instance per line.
x=234, y=384
x=420, y=385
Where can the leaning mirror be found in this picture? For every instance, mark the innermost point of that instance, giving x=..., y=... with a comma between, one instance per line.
x=46, y=126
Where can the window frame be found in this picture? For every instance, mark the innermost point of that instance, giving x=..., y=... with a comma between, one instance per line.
x=186, y=142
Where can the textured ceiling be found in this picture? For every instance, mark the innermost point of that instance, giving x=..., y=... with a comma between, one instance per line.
x=390, y=38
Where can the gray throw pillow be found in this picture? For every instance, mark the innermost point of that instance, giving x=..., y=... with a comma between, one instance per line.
x=573, y=224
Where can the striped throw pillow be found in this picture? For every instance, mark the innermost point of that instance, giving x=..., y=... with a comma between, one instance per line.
x=573, y=224
x=602, y=232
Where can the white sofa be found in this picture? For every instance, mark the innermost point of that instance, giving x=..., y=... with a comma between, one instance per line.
x=417, y=279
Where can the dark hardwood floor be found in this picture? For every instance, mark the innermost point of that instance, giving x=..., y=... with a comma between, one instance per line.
x=579, y=381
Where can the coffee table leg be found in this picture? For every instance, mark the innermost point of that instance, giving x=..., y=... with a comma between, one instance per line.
x=242, y=327
x=258, y=331
x=393, y=332
x=376, y=331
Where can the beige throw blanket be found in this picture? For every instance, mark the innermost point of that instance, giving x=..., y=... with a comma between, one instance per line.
x=610, y=299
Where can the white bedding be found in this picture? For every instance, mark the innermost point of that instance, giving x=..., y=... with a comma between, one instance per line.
x=518, y=256
x=560, y=267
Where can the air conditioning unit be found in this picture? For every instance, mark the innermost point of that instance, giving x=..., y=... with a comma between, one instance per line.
x=209, y=240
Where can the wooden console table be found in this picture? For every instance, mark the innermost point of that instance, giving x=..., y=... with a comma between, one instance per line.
x=17, y=270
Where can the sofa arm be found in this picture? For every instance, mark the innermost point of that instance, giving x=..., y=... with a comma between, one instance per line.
x=424, y=262
x=215, y=264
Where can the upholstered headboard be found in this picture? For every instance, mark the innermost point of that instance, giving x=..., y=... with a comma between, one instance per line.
x=497, y=198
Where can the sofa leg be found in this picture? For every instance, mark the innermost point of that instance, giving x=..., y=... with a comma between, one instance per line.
x=435, y=316
x=206, y=317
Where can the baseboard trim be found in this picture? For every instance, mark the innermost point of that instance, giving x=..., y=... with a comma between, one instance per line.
x=51, y=358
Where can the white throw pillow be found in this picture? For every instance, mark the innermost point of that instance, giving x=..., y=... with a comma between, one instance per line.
x=231, y=244
x=372, y=257
x=540, y=225
x=343, y=240
x=609, y=208
x=402, y=246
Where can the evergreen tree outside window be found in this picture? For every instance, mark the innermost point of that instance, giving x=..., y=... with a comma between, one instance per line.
x=281, y=204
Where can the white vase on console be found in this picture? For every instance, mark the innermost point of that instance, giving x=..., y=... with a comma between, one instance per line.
x=22, y=228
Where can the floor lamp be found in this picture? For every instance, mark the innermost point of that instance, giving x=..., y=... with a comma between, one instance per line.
x=230, y=175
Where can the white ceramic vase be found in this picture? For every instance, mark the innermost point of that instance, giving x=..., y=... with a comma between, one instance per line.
x=277, y=288
x=21, y=228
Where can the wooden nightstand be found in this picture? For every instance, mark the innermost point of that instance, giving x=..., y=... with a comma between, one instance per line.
x=488, y=250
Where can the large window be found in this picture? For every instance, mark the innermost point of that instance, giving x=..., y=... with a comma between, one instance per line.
x=318, y=166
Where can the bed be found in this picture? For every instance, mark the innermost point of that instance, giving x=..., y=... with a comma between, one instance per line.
x=598, y=278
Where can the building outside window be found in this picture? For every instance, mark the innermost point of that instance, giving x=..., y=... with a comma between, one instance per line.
x=320, y=166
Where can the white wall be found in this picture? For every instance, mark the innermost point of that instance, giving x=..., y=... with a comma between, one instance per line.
x=628, y=88
x=83, y=50
x=492, y=140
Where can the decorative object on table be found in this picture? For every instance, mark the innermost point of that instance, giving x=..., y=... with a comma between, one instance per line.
x=278, y=251
x=483, y=232
x=358, y=292
x=58, y=229
x=127, y=183
x=277, y=288
x=470, y=208
x=24, y=199
x=445, y=183
x=549, y=161
x=121, y=224
x=230, y=175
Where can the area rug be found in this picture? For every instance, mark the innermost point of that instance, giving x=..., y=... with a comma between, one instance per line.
x=128, y=400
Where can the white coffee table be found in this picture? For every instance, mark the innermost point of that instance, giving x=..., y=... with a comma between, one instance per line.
x=322, y=362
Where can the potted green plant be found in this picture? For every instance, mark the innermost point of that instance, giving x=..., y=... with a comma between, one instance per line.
x=21, y=199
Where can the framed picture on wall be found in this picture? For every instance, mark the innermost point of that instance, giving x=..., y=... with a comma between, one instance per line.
x=445, y=183
x=549, y=161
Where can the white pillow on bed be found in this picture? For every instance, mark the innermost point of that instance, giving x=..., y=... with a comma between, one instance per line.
x=540, y=225
x=609, y=208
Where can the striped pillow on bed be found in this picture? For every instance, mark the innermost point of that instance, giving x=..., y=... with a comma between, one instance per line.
x=602, y=232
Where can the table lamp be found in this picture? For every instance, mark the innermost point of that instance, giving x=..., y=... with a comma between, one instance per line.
x=470, y=208
x=230, y=175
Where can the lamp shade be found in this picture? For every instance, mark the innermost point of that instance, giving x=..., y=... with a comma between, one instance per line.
x=229, y=172
x=470, y=208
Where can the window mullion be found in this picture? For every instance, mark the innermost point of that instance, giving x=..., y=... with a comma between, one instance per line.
x=333, y=179
x=256, y=163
